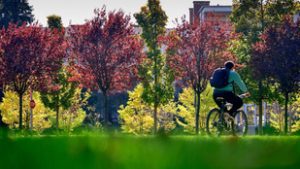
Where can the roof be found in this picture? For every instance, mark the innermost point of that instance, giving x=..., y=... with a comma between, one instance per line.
x=216, y=8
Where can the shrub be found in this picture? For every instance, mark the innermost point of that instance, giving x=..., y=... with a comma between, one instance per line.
x=137, y=116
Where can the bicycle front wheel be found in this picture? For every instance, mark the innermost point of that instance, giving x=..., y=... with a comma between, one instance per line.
x=213, y=123
x=240, y=123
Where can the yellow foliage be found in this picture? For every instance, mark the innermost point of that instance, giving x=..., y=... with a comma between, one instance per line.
x=10, y=111
x=137, y=116
x=296, y=110
x=43, y=117
x=74, y=116
x=187, y=108
x=277, y=119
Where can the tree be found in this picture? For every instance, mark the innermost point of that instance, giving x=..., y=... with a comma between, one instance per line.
x=15, y=11
x=74, y=115
x=54, y=22
x=106, y=54
x=281, y=52
x=136, y=117
x=155, y=74
x=186, y=109
x=194, y=51
x=29, y=55
x=60, y=91
x=251, y=18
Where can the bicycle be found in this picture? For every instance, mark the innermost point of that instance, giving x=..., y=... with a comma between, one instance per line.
x=219, y=121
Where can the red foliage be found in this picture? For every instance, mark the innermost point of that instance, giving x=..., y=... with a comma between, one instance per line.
x=194, y=51
x=277, y=56
x=29, y=54
x=106, y=52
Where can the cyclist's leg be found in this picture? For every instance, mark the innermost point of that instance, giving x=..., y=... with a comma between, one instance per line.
x=216, y=95
x=236, y=102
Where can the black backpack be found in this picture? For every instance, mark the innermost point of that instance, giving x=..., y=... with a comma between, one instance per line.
x=219, y=78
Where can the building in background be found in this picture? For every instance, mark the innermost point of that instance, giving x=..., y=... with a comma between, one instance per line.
x=202, y=10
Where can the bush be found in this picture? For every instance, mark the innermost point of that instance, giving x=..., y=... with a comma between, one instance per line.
x=10, y=111
x=43, y=117
x=186, y=109
x=137, y=117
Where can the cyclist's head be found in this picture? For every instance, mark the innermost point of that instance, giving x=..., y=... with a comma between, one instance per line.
x=229, y=64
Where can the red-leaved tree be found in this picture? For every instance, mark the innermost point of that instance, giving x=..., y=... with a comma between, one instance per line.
x=106, y=54
x=280, y=52
x=194, y=51
x=28, y=55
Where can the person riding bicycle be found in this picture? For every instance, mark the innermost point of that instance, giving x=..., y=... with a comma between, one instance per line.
x=227, y=92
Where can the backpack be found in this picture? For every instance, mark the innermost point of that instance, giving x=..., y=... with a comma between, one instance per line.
x=219, y=78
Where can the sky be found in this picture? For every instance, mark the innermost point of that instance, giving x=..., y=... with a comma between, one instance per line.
x=77, y=11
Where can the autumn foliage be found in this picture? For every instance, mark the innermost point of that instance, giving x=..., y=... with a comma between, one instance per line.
x=29, y=54
x=105, y=53
x=195, y=50
x=277, y=57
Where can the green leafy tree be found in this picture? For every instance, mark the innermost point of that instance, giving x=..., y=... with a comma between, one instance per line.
x=73, y=116
x=15, y=11
x=156, y=76
x=136, y=117
x=59, y=94
x=54, y=22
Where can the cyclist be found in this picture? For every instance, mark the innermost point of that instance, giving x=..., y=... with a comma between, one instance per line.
x=228, y=93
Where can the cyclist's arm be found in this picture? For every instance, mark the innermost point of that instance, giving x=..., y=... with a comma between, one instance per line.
x=237, y=80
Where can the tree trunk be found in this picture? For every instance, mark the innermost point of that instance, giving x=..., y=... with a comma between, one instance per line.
x=197, y=112
x=57, y=117
x=106, y=113
x=286, y=113
x=156, y=95
x=27, y=119
x=57, y=111
x=155, y=118
x=20, y=110
x=260, y=108
x=1, y=121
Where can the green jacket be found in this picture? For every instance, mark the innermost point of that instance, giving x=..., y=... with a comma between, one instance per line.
x=236, y=78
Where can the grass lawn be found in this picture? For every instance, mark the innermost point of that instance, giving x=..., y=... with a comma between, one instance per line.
x=130, y=152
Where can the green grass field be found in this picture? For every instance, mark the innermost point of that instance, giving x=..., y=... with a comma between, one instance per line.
x=130, y=152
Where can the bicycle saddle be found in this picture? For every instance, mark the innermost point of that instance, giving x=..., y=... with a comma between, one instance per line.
x=223, y=101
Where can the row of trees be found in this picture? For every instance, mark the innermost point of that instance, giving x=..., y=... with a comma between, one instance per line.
x=264, y=24
x=105, y=54
x=102, y=54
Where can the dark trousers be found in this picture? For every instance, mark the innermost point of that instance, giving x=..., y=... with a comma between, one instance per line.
x=229, y=97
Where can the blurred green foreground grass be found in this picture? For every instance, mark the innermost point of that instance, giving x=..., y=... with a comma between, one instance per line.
x=130, y=152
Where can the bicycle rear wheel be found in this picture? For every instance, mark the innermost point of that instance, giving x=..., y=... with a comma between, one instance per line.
x=213, y=123
x=240, y=123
